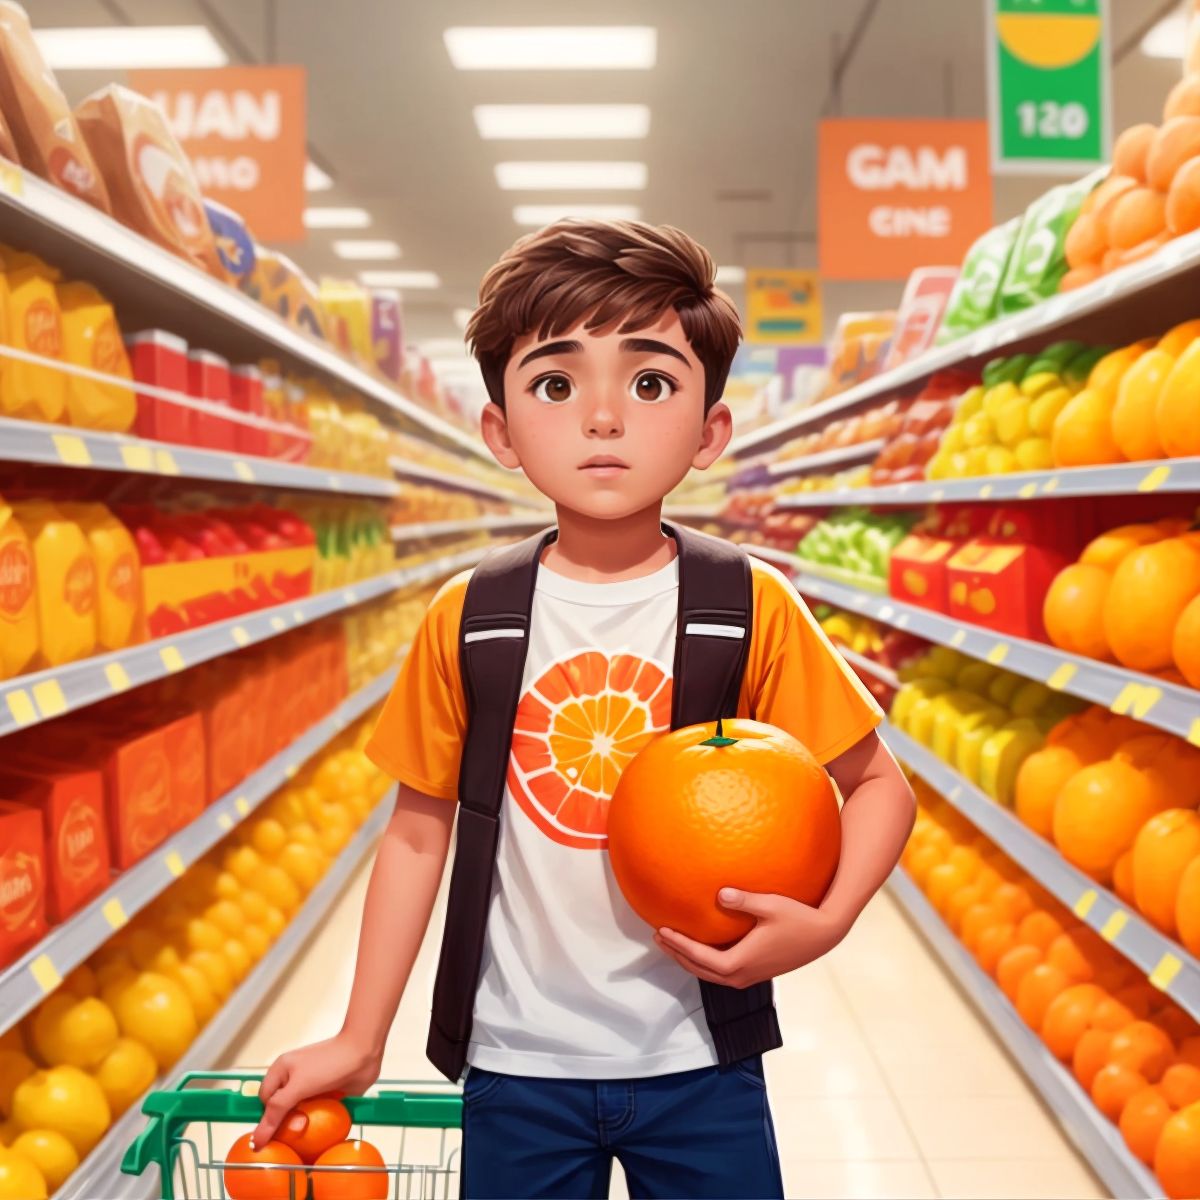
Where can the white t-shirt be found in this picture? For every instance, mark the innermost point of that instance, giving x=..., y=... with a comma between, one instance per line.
x=572, y=984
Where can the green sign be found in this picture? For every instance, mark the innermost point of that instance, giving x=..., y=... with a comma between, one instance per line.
x=1048, y=85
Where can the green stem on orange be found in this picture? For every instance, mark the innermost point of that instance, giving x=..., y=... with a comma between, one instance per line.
x=720, y=739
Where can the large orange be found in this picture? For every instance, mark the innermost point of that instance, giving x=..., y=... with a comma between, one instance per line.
x=1039, y=929
x=993, y=943
x=1142, y=1047
x=1145, y=1114
x=313, y=1126
x=1073, y=610
x=366, y=1181
x=1177, y=1157
x=259, y=1183
x=1181, y=1084
x=1067, y=1018
x=1149, y=592
x=1187, y=907
x=1185, y=644
x=1113, y=1087
x=1013, y=966
x=694, y=812
x=1164, y=847
x=1037, y=992
x=1039, y=780
x=1091, y=1055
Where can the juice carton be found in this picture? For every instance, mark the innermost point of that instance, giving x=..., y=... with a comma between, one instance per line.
x=160, y=360
x=91, y=339
x=65, y=569
x=118, y=574
x=32, y=322
x=18, y=602
x=246, y=396
x=70, y=801
x=22, y=880
x=208, y=380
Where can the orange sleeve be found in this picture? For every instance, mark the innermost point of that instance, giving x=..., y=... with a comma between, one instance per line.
x=419, y=737
x=794, y=677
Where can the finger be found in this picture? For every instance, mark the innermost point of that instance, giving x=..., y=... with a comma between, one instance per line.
x=757, y=904
x=280, y=1104
x=275, y=1078
x=689, y=966
x=719, y=962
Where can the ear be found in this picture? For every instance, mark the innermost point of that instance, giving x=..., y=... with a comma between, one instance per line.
x=718, y=430
x=493, y=425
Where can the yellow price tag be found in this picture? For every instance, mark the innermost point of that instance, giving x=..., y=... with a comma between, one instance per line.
x=21, y=707
x=1063, y=674
x=1164, y=974
x=175, y=864
x=225, y=821
x=959, y=637
x=12, y=179
x=1113, y=926
x=137, y=458
x=172, y=659
x=45, y=973
x=117, y=676
x=998, y=653
x=72, y=450
x=986, y=491
x=351, y=597
x=1153, y=480
x=242, y=805
x=48, y=695
x=1028, y=491
x=292, y=770
x=164, y=463
x=278, y=624
x=114, y=913
x=1194, y=732
x=1051, y=485
x=1084, y=904
x=1136, y=699
x=243, y=471
x=240, y=636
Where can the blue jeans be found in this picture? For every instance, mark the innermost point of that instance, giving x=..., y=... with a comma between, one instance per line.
x=704, y=1133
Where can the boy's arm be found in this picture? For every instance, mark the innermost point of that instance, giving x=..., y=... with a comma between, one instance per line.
x=400, y=897
x=877, y=817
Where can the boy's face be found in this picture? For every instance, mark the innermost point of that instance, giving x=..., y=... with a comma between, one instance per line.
x=606, y=424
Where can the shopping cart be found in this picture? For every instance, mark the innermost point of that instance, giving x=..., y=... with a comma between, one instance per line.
x=414, y=1125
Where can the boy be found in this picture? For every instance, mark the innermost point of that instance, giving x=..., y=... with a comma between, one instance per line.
x=604, y=348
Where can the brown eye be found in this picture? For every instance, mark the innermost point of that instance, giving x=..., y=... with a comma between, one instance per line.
x=553, y=388
x=652, y=386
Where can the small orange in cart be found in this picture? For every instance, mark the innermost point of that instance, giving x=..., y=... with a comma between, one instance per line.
x=313, y=1127
x=361, y=1184
x=260, y=1184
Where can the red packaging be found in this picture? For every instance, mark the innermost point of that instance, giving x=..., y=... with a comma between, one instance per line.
x=208, y=380
x=226, y=724
x=22, y=880
x=917, y=567
x=160, y=359
x=71, y=804
x=183, y=738
x=246, y=393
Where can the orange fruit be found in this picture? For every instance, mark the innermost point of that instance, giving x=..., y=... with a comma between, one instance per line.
x=1181, y=1084
x=688, y=816
x=1067, y=1018
x=1073, y=611
x=1144, y=1048
x=313, y=1126
x=1112, y=1014
x=1139, y=998
x=1123, y=878
x=1185, y=643
x=1158, y=581
x=959, y=902
x=1175, y=1023
x=1039, y=929
x=923, y=860
x=977, y=919
x=1091, y=1055
x=1039, y=780
x=259, y=1184
x=1145, y=1114
x=1012, y=901
x=1164, y=847
x=1187, y=907
x=1037, y=991
x=992, y=944
x=1113, y=1086
x=944, y=882
x=363, y=1184
x=1189, y=1050
x=1177, y=1158
x=1013, y=966
x=1068, y=952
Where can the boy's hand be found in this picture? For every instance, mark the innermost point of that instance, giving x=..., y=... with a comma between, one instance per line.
x=788, y=935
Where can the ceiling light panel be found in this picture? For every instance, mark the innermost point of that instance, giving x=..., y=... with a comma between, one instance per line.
x=571, y=176
x=1168, y=38
x=316, y=180
x=462, y=316
x=545, y=214
x=552, y=48
x=730, y=275
x=400, y=279
x=336, y=218
x=366, y=248
x=128, y=47
x=565, y=122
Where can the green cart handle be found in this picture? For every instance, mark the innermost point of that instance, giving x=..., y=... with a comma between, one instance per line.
x=172, y=1111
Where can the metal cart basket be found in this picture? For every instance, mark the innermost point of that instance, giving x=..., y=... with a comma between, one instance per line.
x=414, y=1125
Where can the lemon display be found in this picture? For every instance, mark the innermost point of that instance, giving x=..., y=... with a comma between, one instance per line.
x=73, y=1032
x=238, y=958
x=156, y=1010
x=15, y=1067
x=19, y=1178
x=277, y=887
x=126, y=1074
x=50, y=1152
x=81, y=982
x=304, y=863
x=215, y=969
x=244, y=863
x=253, y=906
x=273, y=921
x=199, y=989
x=256, y=941
x=227, y=916
x=67, y=1100
x=9, y=1132
x=268, y=836
x=201, y=934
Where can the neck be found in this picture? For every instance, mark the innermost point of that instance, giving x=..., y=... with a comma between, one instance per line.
x=607, y=550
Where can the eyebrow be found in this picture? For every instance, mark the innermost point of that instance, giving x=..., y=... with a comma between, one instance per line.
x=551, y=348
x=651, y=346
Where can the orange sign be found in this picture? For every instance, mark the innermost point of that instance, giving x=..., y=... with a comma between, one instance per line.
x=244, y=130
x=896, y=195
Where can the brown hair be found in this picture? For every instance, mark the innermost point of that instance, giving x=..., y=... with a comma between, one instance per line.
x=609, y=273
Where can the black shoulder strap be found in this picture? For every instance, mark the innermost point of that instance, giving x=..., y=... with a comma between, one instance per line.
x=712, y=641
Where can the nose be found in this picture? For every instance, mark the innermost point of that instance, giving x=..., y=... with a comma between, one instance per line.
x=602, y=418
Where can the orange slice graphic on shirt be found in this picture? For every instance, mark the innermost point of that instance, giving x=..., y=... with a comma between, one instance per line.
x=577, y=726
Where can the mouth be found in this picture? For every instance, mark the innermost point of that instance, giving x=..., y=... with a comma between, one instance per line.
x=604, y=465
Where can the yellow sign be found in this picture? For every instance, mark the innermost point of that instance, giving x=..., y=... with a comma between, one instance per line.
x=783, y=308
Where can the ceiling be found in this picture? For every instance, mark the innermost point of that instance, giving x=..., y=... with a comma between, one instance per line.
x=735, y=97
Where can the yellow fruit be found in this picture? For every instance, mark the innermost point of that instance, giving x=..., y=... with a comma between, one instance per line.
x=215, y=969
x=253, y=906
x=287, y=807
x=227, y=886
x=978, y=431
x=81, y=982
x=1034, y=454
x=9, y=1132
x=196, y=887
x=19, y=1178
x=66, y=1100
x=277, y=887
x=970, y=404
x=238, y=958
x=335, y=838
x=113, y=974
x=256, y=941
x=126, y=1074
x=50, y=1152
x=15, y=1067
x=144, y=947
x=201, y=934
x=200, y=992
x=274, y=921
x=1002, y=756
x=1045, y=409
x=1030, y=698
x=245, y=864
x=977, y=460
x=156, y=1010
x=952, y=440
x=305, y=864
x=227, y=916
x=968, y=751
x=73, y=1032
x=303, y=833
x=268, y=836
x=1000, y=460
x=1012, y=421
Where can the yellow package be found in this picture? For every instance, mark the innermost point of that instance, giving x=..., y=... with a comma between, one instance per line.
x=65, y=569
x=18, y=608
x=118, y=574
x=352, y=303
x=32, y=322
x=91, y=339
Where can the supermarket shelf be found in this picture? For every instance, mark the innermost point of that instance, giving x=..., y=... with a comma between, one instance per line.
x=1128, y=479
x=414, y=473
x=30, y=699
x=100, y=1173
x=1167, y=965
x=1097, y=1139
x=425, y=529
x=1154, y=701
x=1136, y=301
x=808, y=464
x=154, y=289
x=61, y=446
x=886, y=674
x=26, y=983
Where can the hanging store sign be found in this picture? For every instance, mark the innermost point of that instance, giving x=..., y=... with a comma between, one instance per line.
x=783, y=307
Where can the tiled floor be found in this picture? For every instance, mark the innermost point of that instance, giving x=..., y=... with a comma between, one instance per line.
x=889, y=1085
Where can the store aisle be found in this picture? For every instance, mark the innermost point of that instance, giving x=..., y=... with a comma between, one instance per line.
x=888, y=1086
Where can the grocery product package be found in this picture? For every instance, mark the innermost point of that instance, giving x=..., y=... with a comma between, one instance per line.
x=859, y=345
x=30, y=320
x=345, y=299
x=8, y=148
x=387, y=334
x=976, y=294
x=1038, y=260
x=91, y=339
x=18, y=607
x=926, y=295
x=22, y=880
x=236, y=254
x=118, y=574
x=278, y=284
x=46, y=135
x=149, y=177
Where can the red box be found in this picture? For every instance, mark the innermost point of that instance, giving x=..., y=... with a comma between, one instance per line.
x=70, y=802
x=160, y=359
x=22, y=880
x=183, y=737
x=246, y=394
x=208, y=380
x=917, y=569
x=226, y=723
